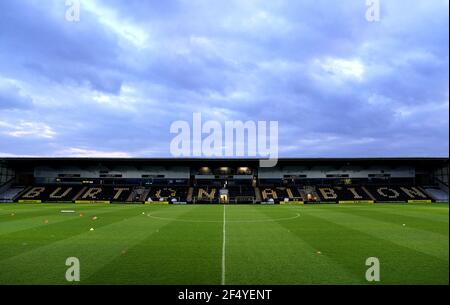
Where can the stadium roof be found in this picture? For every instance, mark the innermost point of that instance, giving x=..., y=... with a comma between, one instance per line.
x=33, y=161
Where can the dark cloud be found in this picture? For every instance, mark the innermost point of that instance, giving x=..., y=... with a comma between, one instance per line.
x=116, y=80
x=12, y=98
x=36, y=43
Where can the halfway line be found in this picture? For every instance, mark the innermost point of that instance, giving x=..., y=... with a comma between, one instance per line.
x=223, y=244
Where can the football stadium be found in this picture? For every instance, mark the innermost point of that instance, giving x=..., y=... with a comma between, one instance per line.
x=224, y=221
x=224, y=151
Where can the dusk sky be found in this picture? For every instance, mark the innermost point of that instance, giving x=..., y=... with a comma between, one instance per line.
x=111, y=84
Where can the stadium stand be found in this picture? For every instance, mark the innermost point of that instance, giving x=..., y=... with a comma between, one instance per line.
x=308, y=194
x=167, y=194
x=210, y=194
x=279, y=193
x=206, y=194
x=224, y=181
x=436, y=194
x=241, y=193
x=139, y=194
x=402, y=193
x=104, y=193
x=342, y=194
x=49, y=193
x=9, y=194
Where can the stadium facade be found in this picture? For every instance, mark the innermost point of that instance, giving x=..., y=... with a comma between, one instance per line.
x=223, y=181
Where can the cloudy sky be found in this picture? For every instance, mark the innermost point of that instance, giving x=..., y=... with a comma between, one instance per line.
x=112, y=83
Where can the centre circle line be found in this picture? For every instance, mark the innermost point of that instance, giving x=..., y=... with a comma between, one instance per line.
x=220, y=221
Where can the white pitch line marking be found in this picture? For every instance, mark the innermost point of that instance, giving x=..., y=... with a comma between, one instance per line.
x=297, y=215
x=224, y=232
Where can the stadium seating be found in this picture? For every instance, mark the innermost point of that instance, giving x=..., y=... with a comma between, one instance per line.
x=139, y=194
x=206, y=194
x=11, y=193
x=241, y=193
x=100, y=193
x=402, y=193
x=308, y=194
x=279, y=193
x=50, y=193
x=211, y=193
x=105, y=193
x=167, y=193
x=342, y=194
x=69, y=193
x=437, y=194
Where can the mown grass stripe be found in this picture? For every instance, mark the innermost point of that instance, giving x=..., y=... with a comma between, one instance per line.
x=180, y=253
x=407, y=210
x=27, y=221
x=430, y=225
x=23, y=241
x=261, y=251
x=94, y=249
x=415, y=239
x=350, y=247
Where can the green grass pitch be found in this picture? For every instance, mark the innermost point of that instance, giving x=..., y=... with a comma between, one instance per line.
x=216, y=244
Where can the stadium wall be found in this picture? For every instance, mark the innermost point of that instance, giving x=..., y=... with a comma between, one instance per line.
x=323, y=172
x=6, y=174
x=128, y=172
